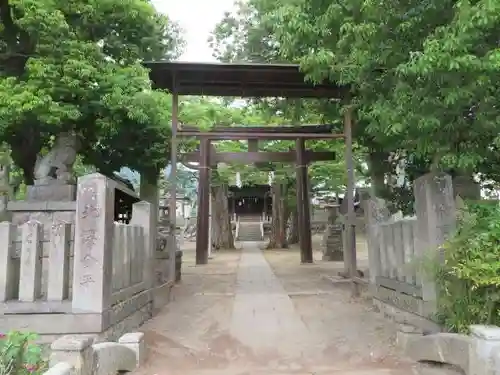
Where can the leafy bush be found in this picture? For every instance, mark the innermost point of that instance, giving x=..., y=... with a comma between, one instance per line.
x=19, y=355
x=468, y=280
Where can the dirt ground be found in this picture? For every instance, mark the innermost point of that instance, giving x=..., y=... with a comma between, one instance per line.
x=192, y=335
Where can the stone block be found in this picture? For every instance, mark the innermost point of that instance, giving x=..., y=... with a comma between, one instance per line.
x=51, y=192
x=485, y=343
x=135, y=342
x=448, y=348
x=113, y=358
x=77, y=351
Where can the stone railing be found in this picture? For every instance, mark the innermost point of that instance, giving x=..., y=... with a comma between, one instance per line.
x=84, y=274
x=475, y=354
x=80, y=355
x=399, y=247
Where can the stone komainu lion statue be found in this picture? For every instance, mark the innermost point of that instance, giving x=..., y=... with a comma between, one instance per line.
x=58, y=163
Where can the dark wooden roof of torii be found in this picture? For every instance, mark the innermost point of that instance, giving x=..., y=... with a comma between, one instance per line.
x=240, y=80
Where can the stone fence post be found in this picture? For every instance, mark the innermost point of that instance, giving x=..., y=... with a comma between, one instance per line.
x=436, y=218
x=484, y=350
x=92, y=269
x=75, y=351
x=144, y=214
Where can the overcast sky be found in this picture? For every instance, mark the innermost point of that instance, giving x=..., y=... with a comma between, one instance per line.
x=198, y=19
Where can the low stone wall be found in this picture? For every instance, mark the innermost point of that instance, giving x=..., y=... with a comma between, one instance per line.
x=80, y=355
x=91, y=276
x=474, y=354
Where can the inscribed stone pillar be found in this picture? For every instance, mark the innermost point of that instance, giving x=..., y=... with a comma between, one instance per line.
x=376, y=213
x=92, y=270
x=436, y=217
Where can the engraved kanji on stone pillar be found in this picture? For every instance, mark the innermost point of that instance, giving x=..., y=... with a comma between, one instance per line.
x=92, y=272
x=30, y=279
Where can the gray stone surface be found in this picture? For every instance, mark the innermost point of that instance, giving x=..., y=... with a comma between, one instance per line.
x=447, y=348
x=92, y=272
x=112, y=357
x=263, y=316
x=51, y=192
x=436, y=214
x=77, y=352
x=135, y=342
x=485, y=350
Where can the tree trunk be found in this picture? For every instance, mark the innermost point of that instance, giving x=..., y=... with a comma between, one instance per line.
x=377, y=162
x=277, y=238
x=25, y=147
x=293, y=227
x=26, y=161
x=222, y=234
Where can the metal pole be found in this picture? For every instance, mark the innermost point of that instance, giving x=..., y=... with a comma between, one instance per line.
x=173, y=182
x=350, y=251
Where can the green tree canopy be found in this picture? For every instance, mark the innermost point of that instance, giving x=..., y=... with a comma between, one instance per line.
x=75, y=65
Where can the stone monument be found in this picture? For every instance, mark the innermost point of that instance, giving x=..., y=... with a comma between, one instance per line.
x=54, y=180
x=333, y=249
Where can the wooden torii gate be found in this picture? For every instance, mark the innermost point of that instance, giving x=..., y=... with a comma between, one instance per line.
x=251, y=81
x=208, y=158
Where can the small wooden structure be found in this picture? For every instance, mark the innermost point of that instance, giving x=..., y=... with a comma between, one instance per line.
x=254, y=80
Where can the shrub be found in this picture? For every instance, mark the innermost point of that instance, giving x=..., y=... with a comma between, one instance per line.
x=19, y=355
x=469, y=278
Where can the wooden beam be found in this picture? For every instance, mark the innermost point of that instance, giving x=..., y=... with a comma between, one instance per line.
x=259, y=157
x=259, y=135
x=312, y=128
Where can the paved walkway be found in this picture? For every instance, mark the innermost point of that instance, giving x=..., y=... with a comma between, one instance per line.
x=255, y=312
x=264, y=317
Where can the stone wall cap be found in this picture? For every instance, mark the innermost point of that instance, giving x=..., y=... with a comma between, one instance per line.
x=72, y=343
x=131, y=338
x=485, y=332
